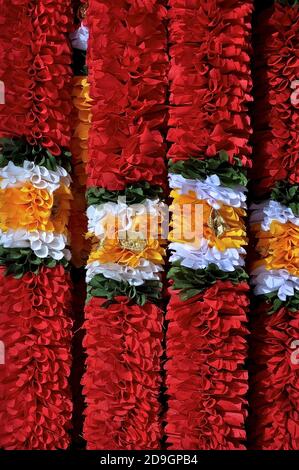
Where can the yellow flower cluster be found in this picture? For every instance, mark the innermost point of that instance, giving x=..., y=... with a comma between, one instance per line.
x=223, y=228
x=30, y=208
x=278, y=247
x=127, y=248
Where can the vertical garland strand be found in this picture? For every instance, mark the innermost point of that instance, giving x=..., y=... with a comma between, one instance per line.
x=274, y=384
x=35, y=328
x=209, y=130
x=127, y=72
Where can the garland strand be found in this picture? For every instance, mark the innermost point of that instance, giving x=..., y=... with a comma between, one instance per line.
x=35, y=199
x=209, y=130
x=274, y=395
x=128, y=78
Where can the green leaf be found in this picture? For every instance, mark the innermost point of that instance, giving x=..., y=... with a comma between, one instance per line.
x=194, y=281
x=18, y=150
x=99, y=286
x=230, y=173
x=133, y=194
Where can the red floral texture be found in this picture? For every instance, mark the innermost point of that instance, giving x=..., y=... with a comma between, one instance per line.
x=35, y=405
x=35, y=66
x=210, y=81
x=15, y=56
x=127, y=65
x=123, y=376
x=276, y=134
x=206, y=380
x=48, y=120
x=274, y=386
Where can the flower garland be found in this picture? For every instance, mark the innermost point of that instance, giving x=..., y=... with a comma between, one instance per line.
x=35, y=199
x=209, y=131
x=275, y=234
x=15, y=57
x=125, y=173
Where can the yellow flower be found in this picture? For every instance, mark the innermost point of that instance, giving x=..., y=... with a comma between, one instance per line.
x=31, y=209
x=61, y=209
x=278, y=247
x=119, y=251
x=25, y=207
x=194, y=219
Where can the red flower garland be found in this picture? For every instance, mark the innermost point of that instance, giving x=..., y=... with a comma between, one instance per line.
x=128, y=77
x=210, y=80
x=48, y=120
x=206, y=380
x=35, y=406
x=210, y=85
x=15, y=56
x=35, y=409
x=274, y=387
x=274, y=379
x=276, y=117
x=124, y=347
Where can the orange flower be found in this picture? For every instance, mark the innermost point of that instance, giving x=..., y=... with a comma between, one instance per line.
x=278, y=247
x=123, y=252
x=223, y=228
x=31, y=209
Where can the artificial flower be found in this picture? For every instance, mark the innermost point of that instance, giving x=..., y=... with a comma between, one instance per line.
x=194, y=219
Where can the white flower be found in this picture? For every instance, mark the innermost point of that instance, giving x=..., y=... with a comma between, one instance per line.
x=210, y=190
x=43, y=244
x=145, y=271
x=39, y=176
x=122, y=216
x=201, y=258
x=266, y=212
x=272, y=280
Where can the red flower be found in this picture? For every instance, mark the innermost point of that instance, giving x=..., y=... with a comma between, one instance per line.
x=35, y=406
x=123, y=375
x=128, y=79
x=274, y=384
x=206, y=377
x=15, y=57
x=276, y=113
x=210, y=80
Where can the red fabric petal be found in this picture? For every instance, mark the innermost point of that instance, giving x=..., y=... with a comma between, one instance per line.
x=127, y=65
x=123, y=375
x=276, y=136
x=35, y=405
x=210, y=81
x=206, y=377
x=274, y=384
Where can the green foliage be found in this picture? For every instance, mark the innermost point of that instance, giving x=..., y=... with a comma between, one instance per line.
x=229, y=175
x=100, y=286
x=192, y=282
x=18, y=150
x=134, y=194
x=19, y=261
